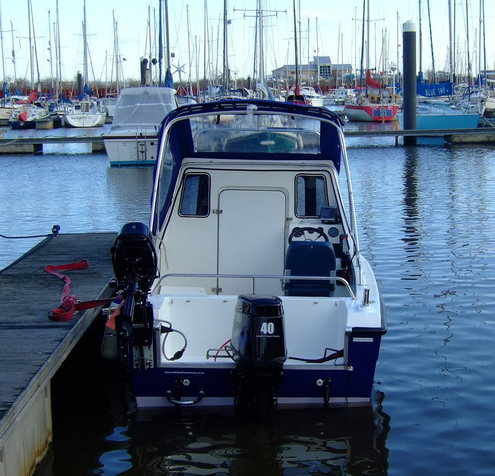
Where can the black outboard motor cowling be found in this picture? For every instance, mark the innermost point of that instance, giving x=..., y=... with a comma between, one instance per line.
x=135, y=266
x=258, y=348
x=134, y=256
x=258, y=339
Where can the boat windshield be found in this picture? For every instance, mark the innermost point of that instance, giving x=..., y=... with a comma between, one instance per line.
x=143, y=106
x=252, y=133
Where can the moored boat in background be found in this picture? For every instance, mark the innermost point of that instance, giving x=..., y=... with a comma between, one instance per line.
x=85, y=113
x=138, y=114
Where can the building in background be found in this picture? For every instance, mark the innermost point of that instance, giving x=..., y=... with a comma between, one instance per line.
x=308, y=72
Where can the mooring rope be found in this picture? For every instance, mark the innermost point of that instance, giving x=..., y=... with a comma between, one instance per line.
x=54, y=232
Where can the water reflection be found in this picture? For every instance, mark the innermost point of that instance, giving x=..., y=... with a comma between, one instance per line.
x=293, y=442
x=94, y=434
x=410, y=208
x=127, y=187
x=315, y=441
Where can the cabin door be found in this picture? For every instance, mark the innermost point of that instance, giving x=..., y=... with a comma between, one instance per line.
x=251, y=239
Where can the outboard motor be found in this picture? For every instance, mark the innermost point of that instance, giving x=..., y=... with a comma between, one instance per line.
x=134, y=256
x=135, y=266
x=258, y=348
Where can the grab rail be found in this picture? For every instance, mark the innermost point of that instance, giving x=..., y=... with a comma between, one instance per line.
x=262, y=276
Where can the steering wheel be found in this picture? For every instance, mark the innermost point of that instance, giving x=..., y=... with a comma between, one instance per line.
x=299, y=232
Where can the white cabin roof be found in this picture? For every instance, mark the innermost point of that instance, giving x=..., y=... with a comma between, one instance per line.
x=143, y=106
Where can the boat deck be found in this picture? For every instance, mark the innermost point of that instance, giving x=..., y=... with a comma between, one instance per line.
x=32, y=347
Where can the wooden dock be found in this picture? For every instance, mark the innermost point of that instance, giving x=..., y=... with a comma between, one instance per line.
x=32, y=347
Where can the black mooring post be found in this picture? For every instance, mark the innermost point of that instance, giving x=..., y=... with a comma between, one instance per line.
x=409, y=79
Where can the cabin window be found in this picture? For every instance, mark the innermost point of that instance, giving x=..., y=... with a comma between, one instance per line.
x=311, y=195
x=195, y=199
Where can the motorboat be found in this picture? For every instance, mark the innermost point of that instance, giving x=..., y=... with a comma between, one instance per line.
x=312, y=96
x=248, y=288
x=138, y=114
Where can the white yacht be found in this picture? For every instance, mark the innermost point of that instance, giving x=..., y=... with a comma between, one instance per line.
x=86, y=113
x=136, y=121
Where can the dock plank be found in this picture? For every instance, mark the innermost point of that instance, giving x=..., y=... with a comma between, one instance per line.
x=28, y=339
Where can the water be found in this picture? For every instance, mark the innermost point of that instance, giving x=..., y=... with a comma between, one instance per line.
x=427, y=224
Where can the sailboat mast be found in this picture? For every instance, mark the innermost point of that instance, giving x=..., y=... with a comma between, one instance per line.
x=154, y=73
x=299, y=57
x=196, y=50
x=362, y=45
x=205, y=39
x=262, y=45
x=368, y=36
x=35, y=49
x=226, y=78
x=58, y=51
x=484, y=39
x=397, y=44
x=167, y=37
x=450, y=41
x=31, y=60
x=317, y=56
x=189, y=50
x=295, y=48
x=420, y=40
x=217, y=51
x=150, y=35
x=13, y=50
x=1, y=45
x=480, y=28
x=397, y=57
x=85, y=45
x=338, y=57
x=160, y=42
x=467, y=43
x=49, y=48
x=116, y=53
x=454, y=43
x=431, y=42
x=308, y=45
x=256, y=26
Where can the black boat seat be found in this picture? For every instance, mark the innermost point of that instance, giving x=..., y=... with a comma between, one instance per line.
x=310, y=258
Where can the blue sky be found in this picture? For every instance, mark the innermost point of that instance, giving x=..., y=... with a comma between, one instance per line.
x=132, y=18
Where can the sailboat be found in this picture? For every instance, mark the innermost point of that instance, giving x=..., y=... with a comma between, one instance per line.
x=375, y=103
x=87, y=113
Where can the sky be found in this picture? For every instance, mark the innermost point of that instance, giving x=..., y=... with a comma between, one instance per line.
x=333, y=16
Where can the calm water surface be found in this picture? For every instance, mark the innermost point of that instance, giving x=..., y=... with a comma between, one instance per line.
x=427, y=224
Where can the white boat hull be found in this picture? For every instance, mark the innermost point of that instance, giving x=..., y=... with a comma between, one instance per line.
x=131, y=152
x=86, y=120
